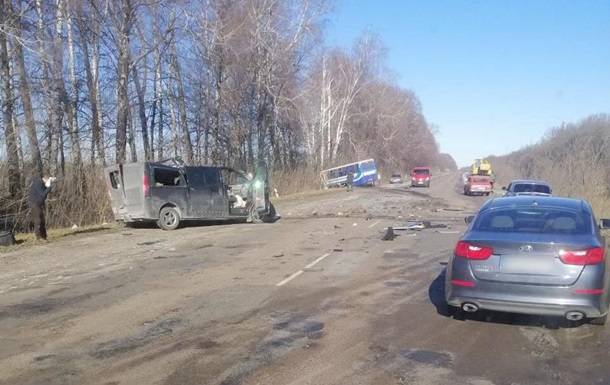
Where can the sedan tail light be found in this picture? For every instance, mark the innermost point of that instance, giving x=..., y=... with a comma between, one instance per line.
x=467, y=250
x=582, y=257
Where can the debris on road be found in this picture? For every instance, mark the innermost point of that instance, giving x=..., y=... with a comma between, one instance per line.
x=389, y=235
x=420, y=225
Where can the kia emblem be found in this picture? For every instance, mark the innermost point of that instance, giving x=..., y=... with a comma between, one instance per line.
x=526, y=248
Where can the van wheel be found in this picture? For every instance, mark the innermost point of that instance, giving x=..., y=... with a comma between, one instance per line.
x=169, y=219
x=254, y=215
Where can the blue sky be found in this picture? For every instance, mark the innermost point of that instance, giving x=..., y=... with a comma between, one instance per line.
x=494, y=76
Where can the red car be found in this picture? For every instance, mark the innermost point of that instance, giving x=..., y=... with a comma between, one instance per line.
x=421, y=176
x=478, y=184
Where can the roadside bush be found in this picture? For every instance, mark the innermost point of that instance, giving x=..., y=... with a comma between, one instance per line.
x=574, y=158
x=294, y=180
x=76, y=199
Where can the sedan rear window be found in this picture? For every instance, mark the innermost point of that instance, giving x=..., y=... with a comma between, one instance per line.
x=481, y=180
x=421, y=172
x=535, y=220
x=535, y=188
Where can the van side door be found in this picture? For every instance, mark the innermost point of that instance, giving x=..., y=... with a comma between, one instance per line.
x=168, y=185
x=260, y=188
x=207, y=195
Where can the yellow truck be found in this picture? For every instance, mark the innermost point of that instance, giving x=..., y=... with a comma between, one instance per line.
x=481, y=167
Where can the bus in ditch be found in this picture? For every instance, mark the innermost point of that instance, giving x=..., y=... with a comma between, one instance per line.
x=365, y=174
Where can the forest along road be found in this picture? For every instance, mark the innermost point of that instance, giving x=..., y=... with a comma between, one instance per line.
x=315, y=298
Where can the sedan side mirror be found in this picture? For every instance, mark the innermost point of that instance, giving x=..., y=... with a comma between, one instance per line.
x=604, y=223
x=504, y=188
x=469, y=219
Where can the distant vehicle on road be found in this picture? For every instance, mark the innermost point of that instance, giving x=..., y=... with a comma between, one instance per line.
x=420, y=176
x=365, y=174
x=532, y=255
x=396, y=178
x=478, y=185
x=527, y=187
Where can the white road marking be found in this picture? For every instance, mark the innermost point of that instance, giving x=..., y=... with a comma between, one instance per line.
x=293, y=276
x=299, y=272
x=374, y=224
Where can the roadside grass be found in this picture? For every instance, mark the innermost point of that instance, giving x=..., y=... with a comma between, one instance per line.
x=305, y=194
x=57, y=234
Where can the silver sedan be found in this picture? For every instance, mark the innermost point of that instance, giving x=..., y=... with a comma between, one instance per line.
x=531, y=255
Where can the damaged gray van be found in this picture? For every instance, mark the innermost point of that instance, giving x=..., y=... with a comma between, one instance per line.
x=169, y=192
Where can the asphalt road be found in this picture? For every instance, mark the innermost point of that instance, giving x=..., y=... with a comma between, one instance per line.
x=315, y=298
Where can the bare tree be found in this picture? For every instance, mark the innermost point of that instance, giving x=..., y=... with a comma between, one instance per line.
x=10, y=138
x=89, y=30
x=124, y=14
x=24, y=91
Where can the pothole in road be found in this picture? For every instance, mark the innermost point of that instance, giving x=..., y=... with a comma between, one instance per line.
x=428, y=357
x=299, y=327
x=290, y=330
x=123, y=345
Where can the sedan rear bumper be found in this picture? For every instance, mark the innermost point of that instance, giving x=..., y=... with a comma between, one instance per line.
x=547, y=301
x=589, y=309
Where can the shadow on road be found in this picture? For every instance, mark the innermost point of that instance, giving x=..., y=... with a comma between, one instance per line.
x=436, y=294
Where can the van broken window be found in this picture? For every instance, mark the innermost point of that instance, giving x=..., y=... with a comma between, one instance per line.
x=114, y=179
x=167, y=177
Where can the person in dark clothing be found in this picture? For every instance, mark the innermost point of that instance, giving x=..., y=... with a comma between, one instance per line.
x=350, y=181
x=37, y=195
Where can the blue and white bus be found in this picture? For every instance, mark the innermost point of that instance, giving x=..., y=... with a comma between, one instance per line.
x=365, y=174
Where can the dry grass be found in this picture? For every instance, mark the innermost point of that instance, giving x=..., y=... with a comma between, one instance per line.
x=305, y=194
x=298, y=180
x=59, y=234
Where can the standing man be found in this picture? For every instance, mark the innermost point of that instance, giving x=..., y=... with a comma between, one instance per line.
x=350, y=181
x=39, y=189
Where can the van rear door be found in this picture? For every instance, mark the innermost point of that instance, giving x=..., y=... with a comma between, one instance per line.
x=114, y=184
x=136, y=186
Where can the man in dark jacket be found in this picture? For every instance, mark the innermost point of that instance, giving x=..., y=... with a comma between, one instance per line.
x=350, y=181
x=40, y=188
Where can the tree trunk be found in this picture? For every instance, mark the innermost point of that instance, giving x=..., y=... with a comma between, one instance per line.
x=72, y=104
x=24, y=92
x=126, y=21
x=89, y=43
x=12, y=158
x=187, y=145
x=142, y=113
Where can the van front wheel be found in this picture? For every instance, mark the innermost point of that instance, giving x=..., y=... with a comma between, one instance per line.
x=169, y=218
x=254, y=215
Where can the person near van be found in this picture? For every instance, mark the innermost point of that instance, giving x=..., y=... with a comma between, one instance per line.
x=37, y=195
x=350, y=181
